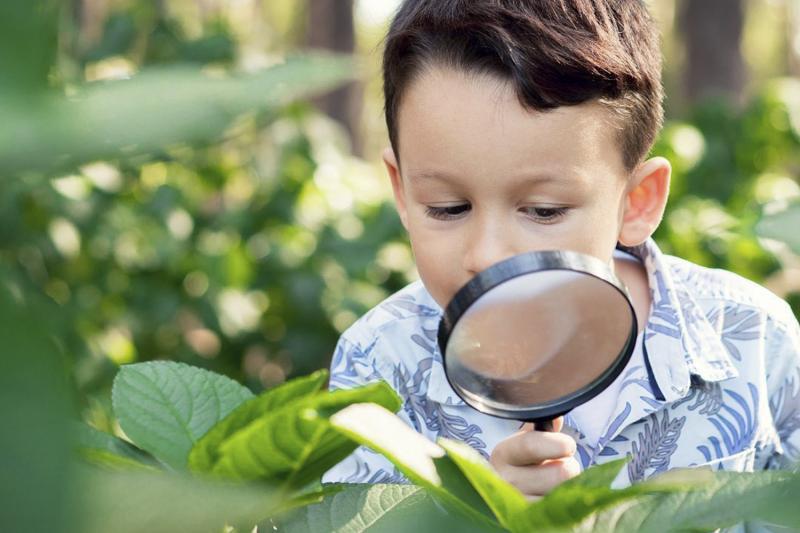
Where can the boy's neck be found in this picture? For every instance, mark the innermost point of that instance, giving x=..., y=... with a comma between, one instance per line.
x=633, y=274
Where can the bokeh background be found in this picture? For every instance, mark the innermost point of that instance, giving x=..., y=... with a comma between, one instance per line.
x=250, y=254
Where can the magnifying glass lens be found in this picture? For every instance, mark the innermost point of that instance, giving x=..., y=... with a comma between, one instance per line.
x=537, y=341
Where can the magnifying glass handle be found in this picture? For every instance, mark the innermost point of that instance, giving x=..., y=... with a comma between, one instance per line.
x=543, y=425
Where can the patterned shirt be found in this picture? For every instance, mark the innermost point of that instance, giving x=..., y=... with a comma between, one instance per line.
x=719, y=384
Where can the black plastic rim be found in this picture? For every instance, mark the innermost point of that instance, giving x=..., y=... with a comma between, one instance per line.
x=514, y=267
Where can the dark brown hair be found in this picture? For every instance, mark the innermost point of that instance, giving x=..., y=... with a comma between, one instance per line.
x=553, y=52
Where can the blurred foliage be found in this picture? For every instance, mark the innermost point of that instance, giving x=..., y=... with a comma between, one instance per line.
x=730, y=166
x=250, y=254
x=247, y=256
x=218, y=256
x=34, y=452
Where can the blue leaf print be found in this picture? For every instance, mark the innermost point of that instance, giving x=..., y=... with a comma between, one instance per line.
x=628, y=380
x=663, y=310
x=704, y=450
x=670, y=332
x=352, y=365
x=432, y=414
x=656, y=445
x=739, y=324
x=382, y=476
x=786, y=413
x=428, y=341
x=612, y=430
x=717, y=449
x=584, y=451
x=735, y=426
x=706, y=396
x=396, y=307
x=364, y=474
x=584, y=456
x=691, y=315
x=653, y=403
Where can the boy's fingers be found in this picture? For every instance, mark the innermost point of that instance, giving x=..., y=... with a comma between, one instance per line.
x=541, y=479
x=531, y=448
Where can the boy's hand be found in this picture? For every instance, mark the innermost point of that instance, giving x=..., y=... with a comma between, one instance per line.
x=536, y=461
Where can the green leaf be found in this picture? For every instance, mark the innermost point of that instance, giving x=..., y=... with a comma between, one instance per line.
x=34, y=407
x=505, y=500
x=109, y=120
x=420, y=460
x=294, y=443
x=132, y=502
x=107, y=450
x=165, y=407
x=782, y=226
x=378, y=508
x=28, y=45
x=106, y=459
x=87, y=437
x=732, y=498
x=303, y=499
x=571, y=502
x=205, y=454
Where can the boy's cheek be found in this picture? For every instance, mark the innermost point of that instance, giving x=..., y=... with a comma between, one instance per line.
x=439, y=268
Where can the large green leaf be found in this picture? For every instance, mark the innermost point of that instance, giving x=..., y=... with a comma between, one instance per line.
x=571, y=502
x=505, y=500
x=28, y=44
x=133, y=502
x=566, y=505
x=107, y=450
x=732, y=498
x=294, y=443
x=153, y=110
x=165, y=407
x=782, y=226
x=378, y=508
x=34, y=408
x=205, y=454
x=419, y=459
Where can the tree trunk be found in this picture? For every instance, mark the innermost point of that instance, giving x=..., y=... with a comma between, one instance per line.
x=793, y=37
x=330, y=26
x=715, y=66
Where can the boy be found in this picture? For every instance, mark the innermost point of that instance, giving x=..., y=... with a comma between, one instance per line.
x=521, y=125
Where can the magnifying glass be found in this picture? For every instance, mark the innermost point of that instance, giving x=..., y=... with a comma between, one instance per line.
x=536, y=335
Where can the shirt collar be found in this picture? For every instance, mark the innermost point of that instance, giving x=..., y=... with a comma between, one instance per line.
x=679, y=338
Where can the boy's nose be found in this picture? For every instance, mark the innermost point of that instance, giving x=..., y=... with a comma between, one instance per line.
x=486, y=247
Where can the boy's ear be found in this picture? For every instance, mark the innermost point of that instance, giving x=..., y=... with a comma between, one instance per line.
x=393, y=168
x=646, y=199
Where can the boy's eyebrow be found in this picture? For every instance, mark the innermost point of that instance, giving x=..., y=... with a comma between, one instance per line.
x=523, y=178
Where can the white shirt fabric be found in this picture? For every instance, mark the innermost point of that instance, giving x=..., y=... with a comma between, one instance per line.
x=592, y=417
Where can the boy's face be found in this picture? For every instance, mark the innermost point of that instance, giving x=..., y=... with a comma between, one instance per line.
x=481, y=179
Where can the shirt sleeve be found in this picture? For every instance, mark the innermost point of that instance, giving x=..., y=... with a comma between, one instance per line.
x=784, y=380
x=353, y=365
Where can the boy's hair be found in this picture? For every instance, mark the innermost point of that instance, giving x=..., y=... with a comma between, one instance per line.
x=553, y=52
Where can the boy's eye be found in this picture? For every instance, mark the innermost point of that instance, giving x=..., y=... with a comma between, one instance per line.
x=447, y=213
x=545, y=215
